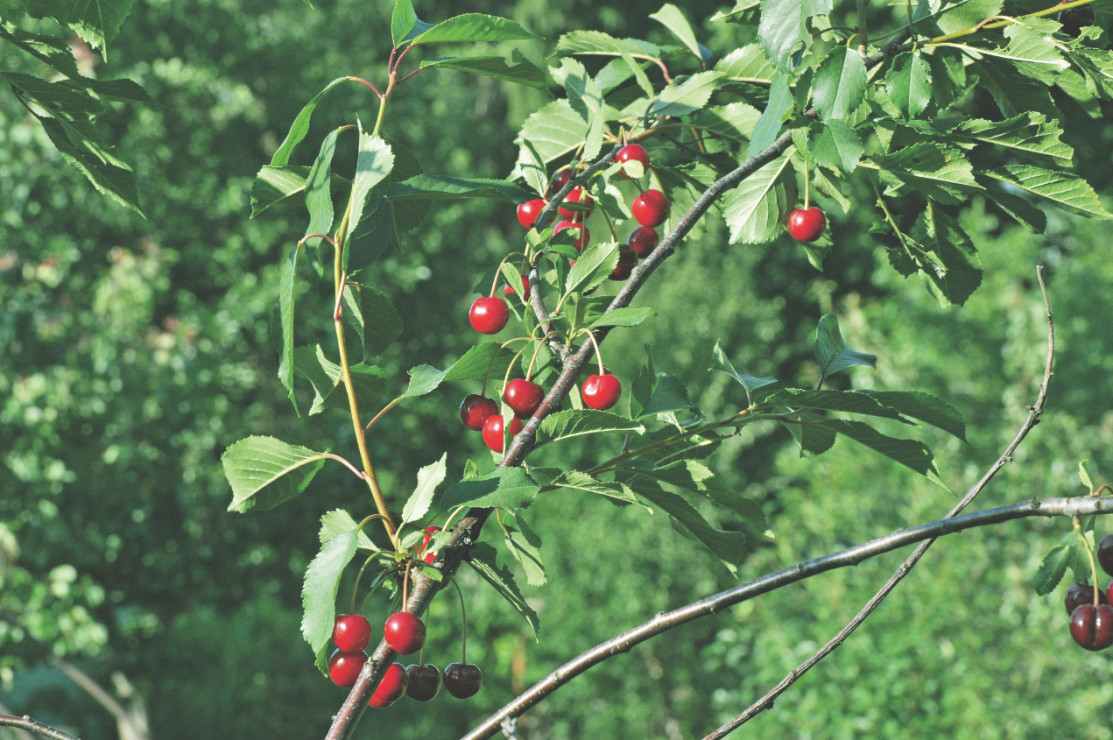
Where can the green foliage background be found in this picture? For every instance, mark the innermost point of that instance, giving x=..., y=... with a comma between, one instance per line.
x=133, y=351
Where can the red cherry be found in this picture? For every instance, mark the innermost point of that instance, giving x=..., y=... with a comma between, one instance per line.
x=585, y=235
x=632, y=153
x=1082, y=593
x=627, y=259
x=351, y=633
x=1090, y=626
x=559, y=180
x=429, y=532
x=1105, y=553
x=651, y=208
x=601, y=391
x=806, y=224
x=463, y=679
x=404, y=632
x=577, y=196
x=507, y=290
x=423, y=681
x=391, y=688
x=489, y=315
x=344, y=668
x=475, y=409
x=530, y=210
x=492, y=431
x=524, y=396
x=643, y=240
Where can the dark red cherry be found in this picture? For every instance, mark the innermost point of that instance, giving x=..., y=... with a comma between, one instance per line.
x=463, y=679
x=643, y=240
x=627, y=260
x=601, y=391
x=585, y=234
x=422, y=681
x=1090, y=626
x=1082, y=593
x=651, y=208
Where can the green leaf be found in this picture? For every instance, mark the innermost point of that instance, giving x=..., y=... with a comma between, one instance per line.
x=1060, y=188
x=480, y=362
x=629, y=316
x=481, y=557
x=402, y=21
x=769, y=125
x=525, y=546
x=1027, y=133
x=424, y=379
x=318, y=593
x=318, y=195
x=373, y=165
x=755, y=209
x=1013, y=92
x=688, y=96
x=908, y=82
x=265, y=472
x=966, y=14
x=504, y=488
x=832, y=143
x=619, y=493
x=730, y=547
x=746, y=64
x=947, y=256
x=782, y=29
x=95, y=21
x=519, y=70
x=287, y=291
x=439, y=187
x=831, y=352
x=324, y=376
x=840, y=84
x=107, y=174
x=592, y=268
x=586, y=100
x=577, y=423
x=274, y=184
x=671, y=18
x=1084, y=477
x=338, y=522
x=749, y=382
x=925, y=407
x=549, y=133
x=370, y=313
x=300, y=126
x=668, y=394
x=428, y=478
x=598, y=42
x=1052, y=569
x=471, y=27
x=936, y=171
x=910, y=453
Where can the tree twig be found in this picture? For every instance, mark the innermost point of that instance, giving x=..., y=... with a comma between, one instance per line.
x=1033, y=418
x=36, y=728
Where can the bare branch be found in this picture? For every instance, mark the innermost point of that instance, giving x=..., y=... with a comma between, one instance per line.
x=1033, y=418
x=37, y=728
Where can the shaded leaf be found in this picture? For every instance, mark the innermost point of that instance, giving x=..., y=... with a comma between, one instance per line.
x=504, y=488
x=521, y=70
x=471, y=27
x=831, y=352
x=577, y=423
x=481, y=557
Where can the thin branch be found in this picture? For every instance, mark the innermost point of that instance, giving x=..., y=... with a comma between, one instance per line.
x=1033, y=418
x=37, y=728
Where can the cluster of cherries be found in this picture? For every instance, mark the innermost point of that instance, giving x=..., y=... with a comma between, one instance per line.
x=405, y=633
x=490, y=314
x=1091, y=615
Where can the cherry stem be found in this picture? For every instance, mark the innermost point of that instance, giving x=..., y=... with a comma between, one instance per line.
x=498, y=273
x=365, y=82
x=359, y=577
x=359, y=473
x=1090, y=554
x=463, y=625
x=598, y=353
x=807, y=186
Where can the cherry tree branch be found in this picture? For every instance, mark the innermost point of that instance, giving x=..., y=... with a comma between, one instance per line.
x=1052, y=507
x=1033, y=418
x=36, y=728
